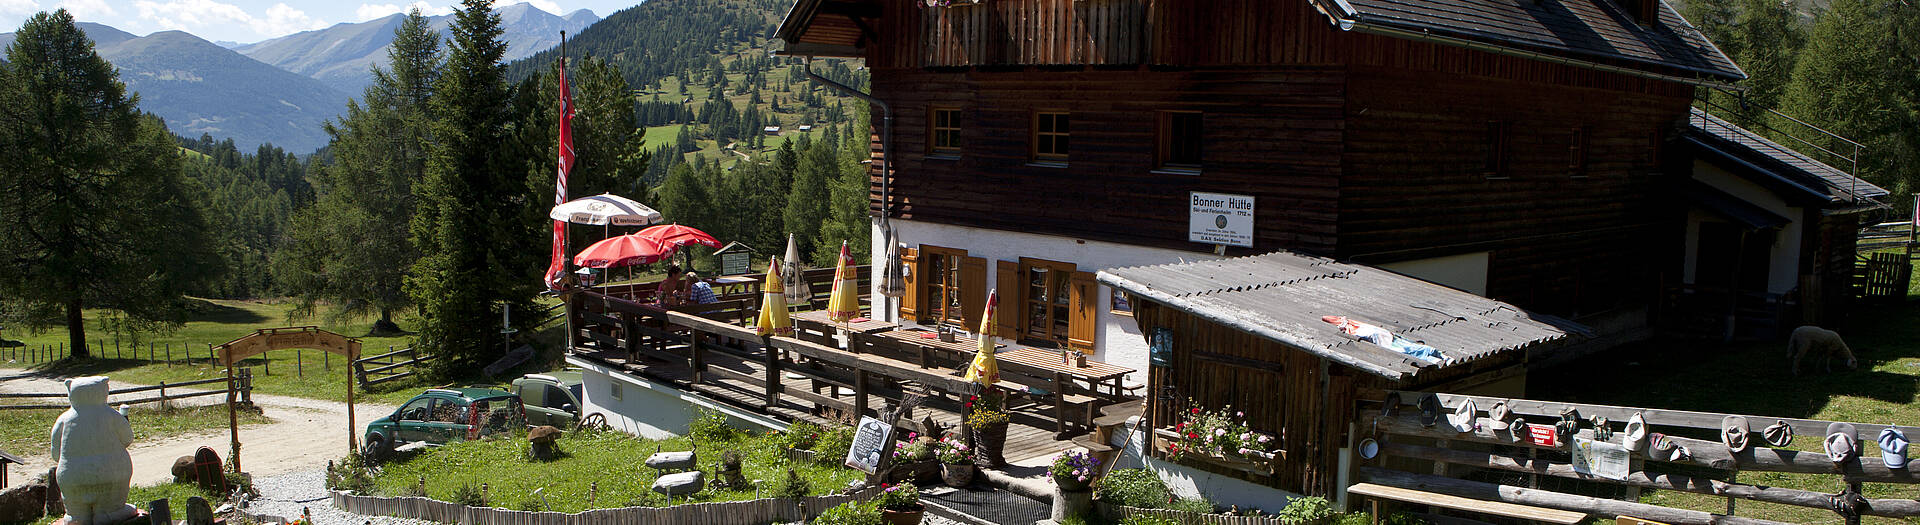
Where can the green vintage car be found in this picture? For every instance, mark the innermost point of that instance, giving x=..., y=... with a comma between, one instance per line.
x=443, y=415
x=552, y=398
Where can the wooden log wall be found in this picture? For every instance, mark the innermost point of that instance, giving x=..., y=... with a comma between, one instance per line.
x=1034, y=32
x=1274, y=134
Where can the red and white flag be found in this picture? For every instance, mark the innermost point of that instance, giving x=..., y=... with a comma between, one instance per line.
x=558, y=266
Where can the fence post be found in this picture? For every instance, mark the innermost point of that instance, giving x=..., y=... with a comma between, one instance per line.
x=149, y=352
x=163, y=394
x=299, y=363
x=170, y=354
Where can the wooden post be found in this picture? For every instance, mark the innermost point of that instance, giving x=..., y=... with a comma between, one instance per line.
x=353, y=438
x=860, y=398
x=169, y=354
x=233, y=420
x=772, y=372
x=697, y=357
x=299, y=363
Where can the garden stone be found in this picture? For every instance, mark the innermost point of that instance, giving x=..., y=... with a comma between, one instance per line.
x=671, y=460
x=1068, y=503
x=199, y=512
x=90, y=443
x=183, y=469
x=680, y=484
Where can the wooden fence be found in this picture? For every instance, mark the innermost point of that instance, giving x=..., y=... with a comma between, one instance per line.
x=390, y=366
x=1882, y=276
x=169, y=354
x=243, y=386
x=771, y=510
x=1437, y=459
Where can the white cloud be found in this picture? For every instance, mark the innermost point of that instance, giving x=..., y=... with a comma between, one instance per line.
x=197, y=15
x=371, y=11
x=84, y=9
x=13, y=8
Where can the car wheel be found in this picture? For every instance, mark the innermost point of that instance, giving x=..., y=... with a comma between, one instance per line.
x=376, y=448
x=596, y=421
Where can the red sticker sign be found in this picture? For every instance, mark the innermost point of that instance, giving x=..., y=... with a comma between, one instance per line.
x=1543, y=435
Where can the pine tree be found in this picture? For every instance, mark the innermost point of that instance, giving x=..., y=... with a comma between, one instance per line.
x=477, y=226
x=1854, y=79
x=91, y=193
x=346, y=249
x=807, y=201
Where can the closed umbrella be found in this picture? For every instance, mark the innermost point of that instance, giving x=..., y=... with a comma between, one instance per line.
x=773, y=304
x=622, y=250
x=892, y=284
x=844, y=303
x=985, y=368
x=603, y=210
x=794, y=277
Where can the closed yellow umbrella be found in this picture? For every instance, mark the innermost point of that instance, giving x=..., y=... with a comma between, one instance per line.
x=985, y=368
x=773, y=304
x=844, y=303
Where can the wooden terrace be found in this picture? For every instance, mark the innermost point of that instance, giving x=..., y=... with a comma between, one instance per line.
x=830, y=374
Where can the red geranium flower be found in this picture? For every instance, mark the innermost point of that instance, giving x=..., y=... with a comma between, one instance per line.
x=1196, y=410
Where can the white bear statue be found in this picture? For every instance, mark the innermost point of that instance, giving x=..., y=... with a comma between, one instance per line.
x=90, y=445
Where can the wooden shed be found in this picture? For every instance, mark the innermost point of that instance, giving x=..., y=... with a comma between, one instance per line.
x=1248, y=332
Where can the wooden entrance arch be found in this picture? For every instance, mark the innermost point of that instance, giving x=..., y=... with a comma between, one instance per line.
x=259, y=342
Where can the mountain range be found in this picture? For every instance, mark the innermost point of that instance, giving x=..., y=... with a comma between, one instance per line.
x=280, y=91
x=340, y=56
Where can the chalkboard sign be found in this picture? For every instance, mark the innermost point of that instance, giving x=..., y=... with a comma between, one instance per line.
x=734, y=263
x=870, y=440
x=1160, y=349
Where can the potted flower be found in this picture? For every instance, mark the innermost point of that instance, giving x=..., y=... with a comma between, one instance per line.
x=956, y=462
x=987, y=419
x=1222, y=433
x=900, y=504
x=1073, y=470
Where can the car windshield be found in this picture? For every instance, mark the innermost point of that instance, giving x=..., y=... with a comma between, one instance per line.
x=501, y=413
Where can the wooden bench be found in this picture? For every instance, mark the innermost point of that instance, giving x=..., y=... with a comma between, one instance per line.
x=1496, y=508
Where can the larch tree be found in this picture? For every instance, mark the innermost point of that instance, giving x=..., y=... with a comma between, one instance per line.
x=1854, y=79
x=352, y=249
x=92, y=209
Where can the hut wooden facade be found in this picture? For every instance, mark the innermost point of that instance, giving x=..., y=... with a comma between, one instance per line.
x=1248, y=332
x=1511, y=149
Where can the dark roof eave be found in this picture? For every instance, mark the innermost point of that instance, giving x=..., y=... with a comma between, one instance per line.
x=794, y=24
x=1793, y=191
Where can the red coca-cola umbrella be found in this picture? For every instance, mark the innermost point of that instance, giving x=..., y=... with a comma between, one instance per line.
x=623, y=250
x=675, y=236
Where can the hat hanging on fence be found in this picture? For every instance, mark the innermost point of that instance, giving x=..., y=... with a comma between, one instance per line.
x=1659, y=447
x=1779, y=434
x=1498, y=416
x=1893, y=447
x=1518, y=429
x=1429, y=410
x=1569, y=425
x=1733, y=432
x=1464, y=416
x=1843, y=442
x=1636, y=432
x=1602, y=428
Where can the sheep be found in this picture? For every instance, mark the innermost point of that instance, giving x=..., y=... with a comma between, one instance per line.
x=1821, y=343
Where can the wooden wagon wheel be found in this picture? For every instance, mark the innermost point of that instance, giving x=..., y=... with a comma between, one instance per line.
x=596, y=421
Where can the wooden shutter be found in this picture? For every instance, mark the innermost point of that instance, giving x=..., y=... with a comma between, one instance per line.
x=910, y=299
x=973, y=290
x=1011, y=299
x=1083, y=312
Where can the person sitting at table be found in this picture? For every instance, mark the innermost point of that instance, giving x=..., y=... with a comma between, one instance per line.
x=673, y=289
x=698, y=291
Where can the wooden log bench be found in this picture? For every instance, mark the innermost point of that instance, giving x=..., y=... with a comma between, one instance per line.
x=1376, y=493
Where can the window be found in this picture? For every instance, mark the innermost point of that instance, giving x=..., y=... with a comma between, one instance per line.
x=1498, y=144
x=942, y=286
x=1180, y=141
x=1050, y=132
x=1047, y=299
x=613, y=388
x=945, y=133
x=555, y=398
x=1577, y=152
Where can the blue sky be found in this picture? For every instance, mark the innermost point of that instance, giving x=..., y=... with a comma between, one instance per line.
x=249, y=21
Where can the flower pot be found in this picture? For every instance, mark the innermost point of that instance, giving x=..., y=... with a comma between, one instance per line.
x=1070, y=484
x=956, y=475
x=990, y=443
x=902, y=517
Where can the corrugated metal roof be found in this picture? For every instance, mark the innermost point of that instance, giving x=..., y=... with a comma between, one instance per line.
x=1825, y=181
x=1588, y=29
x=1281, y=296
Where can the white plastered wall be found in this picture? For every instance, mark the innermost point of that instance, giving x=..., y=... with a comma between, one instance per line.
x=1466, y=272
x=1118, y=339
x=1783, y=268
x=649, y=409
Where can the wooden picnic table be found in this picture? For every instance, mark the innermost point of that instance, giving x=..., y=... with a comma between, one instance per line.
x=735, y=285
x=1025, y=366
x=813, y=326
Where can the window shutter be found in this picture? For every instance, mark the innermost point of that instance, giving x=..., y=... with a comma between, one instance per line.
x=1011, y=301
x=910, y=300
x=973, y=290
x=1083, y=312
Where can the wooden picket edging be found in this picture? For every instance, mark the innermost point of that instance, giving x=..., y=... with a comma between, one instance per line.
x=242, y=384
x=769, y=510
x=1117, y=513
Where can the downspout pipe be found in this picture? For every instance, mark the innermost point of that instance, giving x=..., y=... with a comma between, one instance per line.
x=886, y=135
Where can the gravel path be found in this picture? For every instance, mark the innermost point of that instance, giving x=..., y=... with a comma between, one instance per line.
x=286, y=494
